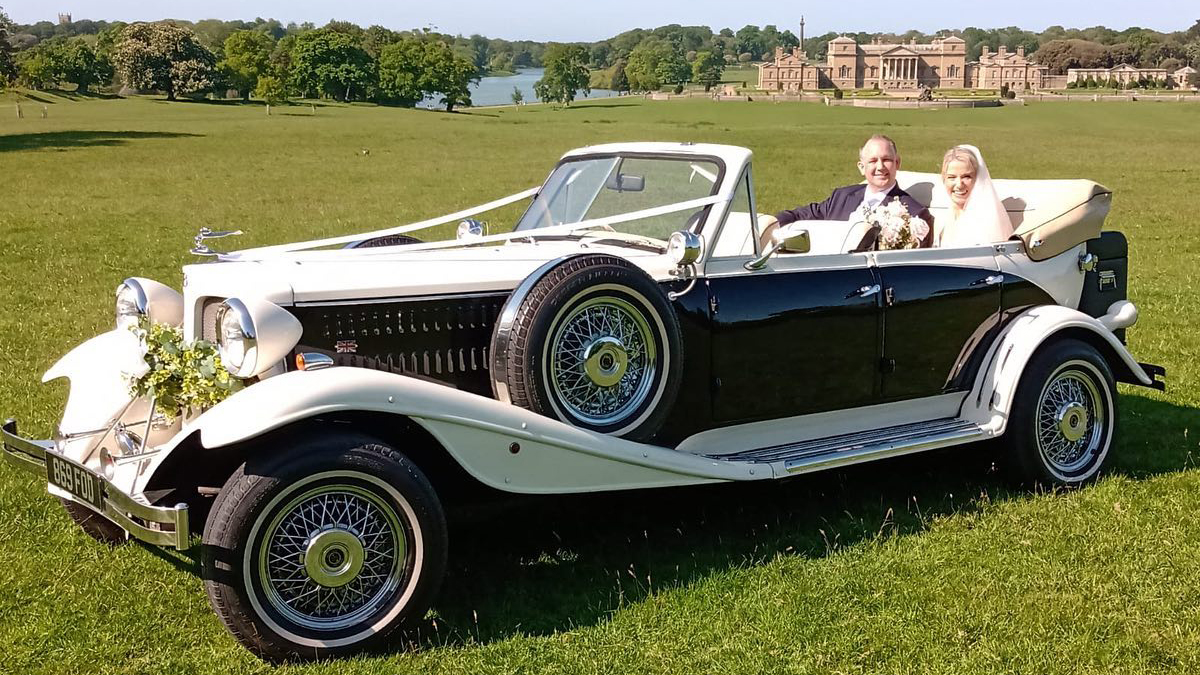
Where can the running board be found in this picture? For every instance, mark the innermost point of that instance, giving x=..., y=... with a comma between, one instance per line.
x=833, y=451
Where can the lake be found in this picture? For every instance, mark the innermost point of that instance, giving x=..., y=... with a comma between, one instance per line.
x=498, y=90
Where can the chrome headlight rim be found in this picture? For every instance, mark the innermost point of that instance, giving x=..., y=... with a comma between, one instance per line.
x=130, y=310
x=247, y=335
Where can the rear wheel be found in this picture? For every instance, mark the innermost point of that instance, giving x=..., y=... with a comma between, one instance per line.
x=323, y=549
x=1064, y=416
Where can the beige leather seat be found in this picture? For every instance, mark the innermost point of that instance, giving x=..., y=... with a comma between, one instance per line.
x=1050, y=216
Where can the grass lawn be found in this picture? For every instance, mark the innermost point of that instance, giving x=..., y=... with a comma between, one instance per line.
x=928, y=564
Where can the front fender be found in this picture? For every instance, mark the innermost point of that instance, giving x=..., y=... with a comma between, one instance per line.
x=501, y=445
x=991, y=397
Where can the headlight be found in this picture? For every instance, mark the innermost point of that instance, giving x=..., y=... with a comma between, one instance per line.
x=137, y=297
x=254, y=335
x=236, y=337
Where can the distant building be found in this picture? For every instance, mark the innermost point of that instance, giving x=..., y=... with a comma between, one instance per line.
x=1123, y=74
x=64, y=19
x=890, y=67
x=1180, y=79
x=1005, y=68
x=942, y=63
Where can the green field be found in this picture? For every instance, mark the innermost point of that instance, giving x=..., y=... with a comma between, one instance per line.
x=929, y=564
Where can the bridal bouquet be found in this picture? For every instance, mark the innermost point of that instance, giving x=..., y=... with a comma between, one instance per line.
x=897, y=229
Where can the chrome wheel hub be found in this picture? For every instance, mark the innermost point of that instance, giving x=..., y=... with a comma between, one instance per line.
x=334, y=557
x=331, y=556
x=601, y=360
x=605, y=361
x=1070, y=421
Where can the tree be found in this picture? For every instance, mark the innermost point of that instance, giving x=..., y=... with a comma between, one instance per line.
x=163, y=56
x=566, y=73
x=750, y=40
x=517, y=97
x=8, y=68
x=326, y=62
x=653, y=63
x=247, y=58
x=77, y=62
x=270, y=89
x=620, y=82
x=448, y=74
x=36, y=69
x=672, y=68
x=707, y=69
x=402, y=72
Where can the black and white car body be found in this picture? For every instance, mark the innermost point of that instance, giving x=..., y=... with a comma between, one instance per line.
x=640, y=327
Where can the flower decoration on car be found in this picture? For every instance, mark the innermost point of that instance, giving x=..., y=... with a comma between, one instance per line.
x=178, y=376
x=897, y=228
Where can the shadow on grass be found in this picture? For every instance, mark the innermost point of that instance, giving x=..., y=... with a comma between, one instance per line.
x=545, y=565
x=64, y=140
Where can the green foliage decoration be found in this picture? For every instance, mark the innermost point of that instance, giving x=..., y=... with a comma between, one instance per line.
x=180, y=376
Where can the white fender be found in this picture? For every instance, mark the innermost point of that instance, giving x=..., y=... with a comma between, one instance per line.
x=99, y=389
x=480, y=433
x=991, y=398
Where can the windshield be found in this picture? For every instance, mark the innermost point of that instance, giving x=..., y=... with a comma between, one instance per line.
x=598, y=187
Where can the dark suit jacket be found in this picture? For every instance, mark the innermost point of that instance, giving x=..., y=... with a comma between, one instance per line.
x=844, y=200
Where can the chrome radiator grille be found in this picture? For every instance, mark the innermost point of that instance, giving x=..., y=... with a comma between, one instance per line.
x=445, y=338
x=208, y=319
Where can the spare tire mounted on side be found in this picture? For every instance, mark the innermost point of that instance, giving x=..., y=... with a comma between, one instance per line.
x=593, y=341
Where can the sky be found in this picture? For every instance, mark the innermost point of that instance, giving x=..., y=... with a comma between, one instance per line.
x=546, y=20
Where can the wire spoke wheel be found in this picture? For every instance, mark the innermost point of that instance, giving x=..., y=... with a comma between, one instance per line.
x=1064, y=416
x=602, y=360
x=331, y=556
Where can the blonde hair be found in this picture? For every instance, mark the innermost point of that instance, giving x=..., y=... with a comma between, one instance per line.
x=961, y=155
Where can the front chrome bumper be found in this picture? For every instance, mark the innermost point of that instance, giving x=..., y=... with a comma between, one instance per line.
x=158, y=525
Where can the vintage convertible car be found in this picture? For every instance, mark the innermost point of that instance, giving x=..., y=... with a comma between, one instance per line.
x=639, y=327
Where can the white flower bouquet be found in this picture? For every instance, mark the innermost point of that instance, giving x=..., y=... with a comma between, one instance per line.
x=897, y=229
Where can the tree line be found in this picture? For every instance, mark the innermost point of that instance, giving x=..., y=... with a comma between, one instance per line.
x=345, y=61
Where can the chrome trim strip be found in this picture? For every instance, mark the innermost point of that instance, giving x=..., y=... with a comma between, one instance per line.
x=828, y=444
x=504, y=322
x=401, y=298
x=886, y=449
x=119, y=507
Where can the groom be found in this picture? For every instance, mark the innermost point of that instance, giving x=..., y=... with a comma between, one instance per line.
x=878, y=163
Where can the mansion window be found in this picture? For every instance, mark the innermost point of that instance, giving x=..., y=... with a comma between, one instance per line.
x=952, y=71
x=844, y=71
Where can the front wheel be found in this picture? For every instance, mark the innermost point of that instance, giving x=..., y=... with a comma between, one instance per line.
x=1064, y=416
x=324, y=548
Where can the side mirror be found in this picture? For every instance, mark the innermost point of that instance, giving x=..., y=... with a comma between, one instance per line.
x=789, y=239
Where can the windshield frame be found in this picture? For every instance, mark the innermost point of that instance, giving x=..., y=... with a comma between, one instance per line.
x=672, y=156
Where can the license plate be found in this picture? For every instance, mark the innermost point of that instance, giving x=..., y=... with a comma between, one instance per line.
x=83, y=484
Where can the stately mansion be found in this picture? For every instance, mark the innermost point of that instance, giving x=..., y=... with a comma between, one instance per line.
x=942, y=63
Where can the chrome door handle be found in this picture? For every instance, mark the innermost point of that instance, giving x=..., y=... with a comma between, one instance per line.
x=991, y=280
x=864, y=292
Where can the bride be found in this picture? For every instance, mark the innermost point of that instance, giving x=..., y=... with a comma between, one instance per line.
x=976, y=214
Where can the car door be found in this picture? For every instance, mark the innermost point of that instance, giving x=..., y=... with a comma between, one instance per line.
x=938, y=305
x=799, y=336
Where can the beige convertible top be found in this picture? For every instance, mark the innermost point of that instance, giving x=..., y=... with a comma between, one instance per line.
x=1050, y=216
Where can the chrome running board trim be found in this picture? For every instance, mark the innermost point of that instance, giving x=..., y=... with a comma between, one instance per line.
x=832, y=451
